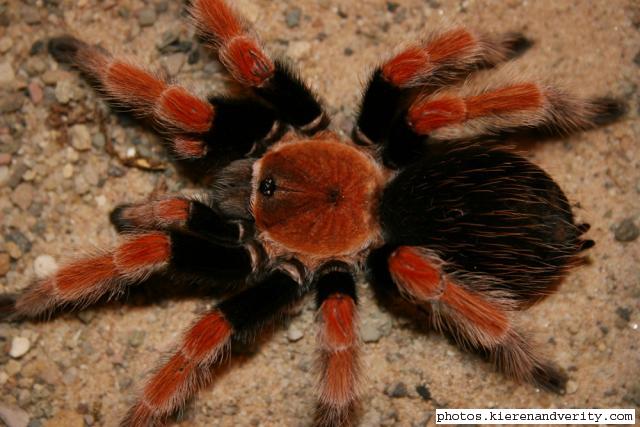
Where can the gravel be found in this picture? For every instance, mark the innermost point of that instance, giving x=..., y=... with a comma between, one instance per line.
x=71, y=376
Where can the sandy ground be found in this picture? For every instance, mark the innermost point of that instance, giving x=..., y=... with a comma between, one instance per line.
x=55, y=197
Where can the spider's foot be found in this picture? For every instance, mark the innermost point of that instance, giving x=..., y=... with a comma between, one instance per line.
x=608, y=110
x=65, y=48
x=550, y=378
x=7, y=307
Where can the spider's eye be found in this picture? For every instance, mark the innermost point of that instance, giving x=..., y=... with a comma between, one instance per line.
x=268, y=187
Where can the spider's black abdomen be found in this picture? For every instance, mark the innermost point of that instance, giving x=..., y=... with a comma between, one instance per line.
x=484, y=211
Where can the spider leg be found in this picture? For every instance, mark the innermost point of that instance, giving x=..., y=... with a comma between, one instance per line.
x=203, y=346
x=339, y=346
x=84, y=281
x=241, y=53
x=471, y=112
x=224, y=126
x=477, y=319
x=439, y=60
x=180, y=213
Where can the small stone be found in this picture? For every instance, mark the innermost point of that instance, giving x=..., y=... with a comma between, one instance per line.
x=5, y=159
x=294, y=334
x=44, y=266
x=30, y=15
x=80, y=137
x=572, y=387
x=7, y=74
x=626, y=231
x=67, y=171
x=147, y=16
x=174, y=63
x=6, y=43
x=86, y=316
x=35, y=66
x=5, y=263
x=396, y=390
x=292, y=16
x=35, y=92
x=19, y=347
x=52, y=77
x=624, y=313
x=136, y=338
x=392, y=6
x=22, y=196
x=19, y=239
x=13, y=416
x=64, y=91
x=423, y=391
x=11, y=103
x=348, y=51
x=13, y=250
x=370, y=333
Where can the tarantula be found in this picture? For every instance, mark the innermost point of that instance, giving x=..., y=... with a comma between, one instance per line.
x=421, y=202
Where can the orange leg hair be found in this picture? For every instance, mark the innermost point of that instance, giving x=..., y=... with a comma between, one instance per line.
x=229, y=35
x=339, y=357
x=187, y=371
x=146, y=93
x=471, y=111
x=477, y=321
x=446, y=57
x=84, y=281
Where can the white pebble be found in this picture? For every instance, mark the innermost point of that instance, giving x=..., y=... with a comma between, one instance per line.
x=19, y=347
x=294, y=334
x=44, y=266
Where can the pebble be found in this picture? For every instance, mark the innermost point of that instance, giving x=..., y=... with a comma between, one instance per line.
x=572, y=387
x=370, y=333
x=13, y=250
x=44, y=266
x=5, y=263
x=147, y=16
x=67, y=171
x=136, y=338
x=396, y=390
x=174, y=63
x=292, y=16
x=19, y=347
x=11, y=103
x=6, y=43
x=35, y=66
x=626, y=231
x=98, y=140
x=52, y=77
x=423, y=391
x=64, y=91
x=7, y=74
x=30, y=15
x=13, y=416
x=5, y=159
x=80, y=137
x=35, y=92
x=294, y=334
x=22, y=196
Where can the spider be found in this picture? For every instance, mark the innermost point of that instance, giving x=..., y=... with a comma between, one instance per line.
x=423, y=203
